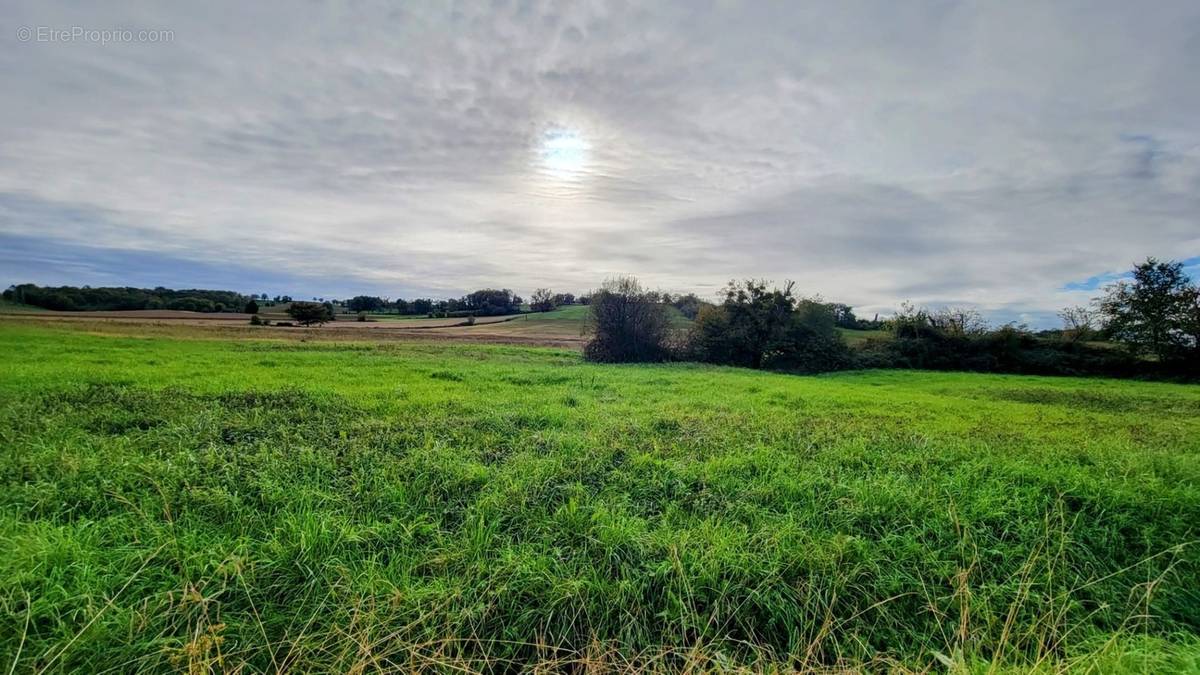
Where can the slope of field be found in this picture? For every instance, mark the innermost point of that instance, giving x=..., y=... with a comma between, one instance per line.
x=262, y=506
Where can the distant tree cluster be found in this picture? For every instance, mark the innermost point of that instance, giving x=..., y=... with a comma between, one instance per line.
x=483, y=302
x=86, y=298
x=366, y=303
x=311, y=313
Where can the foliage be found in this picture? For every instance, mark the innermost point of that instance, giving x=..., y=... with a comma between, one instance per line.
x=542, y=300
x=492, y=302
x=251, y=307
x=86, y=298
x=627, y=324
x=1078, y=323
x=689, y=305
x=309, y=313
x=756, y=327
x=244, y=506
x=1151, y=312
x=365, y=303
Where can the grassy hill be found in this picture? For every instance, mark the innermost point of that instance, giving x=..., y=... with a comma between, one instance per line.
x=175, y=504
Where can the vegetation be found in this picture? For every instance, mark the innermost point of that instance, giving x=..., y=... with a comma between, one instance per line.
x=628, y=324
x=310, y=313
x=1157, y=311
x=755, y=327
x=72, y=298
x=542, y=300
x=365, y=303
x=254, y=506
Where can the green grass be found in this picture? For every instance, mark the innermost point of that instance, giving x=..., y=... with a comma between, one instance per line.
x=853, y=336
x=255, y=506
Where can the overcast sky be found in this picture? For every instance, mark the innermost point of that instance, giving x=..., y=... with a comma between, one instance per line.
x=1010, y=155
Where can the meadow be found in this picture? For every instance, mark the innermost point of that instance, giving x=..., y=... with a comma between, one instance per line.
x=193, y=501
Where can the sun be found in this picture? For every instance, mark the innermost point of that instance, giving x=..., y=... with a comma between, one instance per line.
x=564, y=152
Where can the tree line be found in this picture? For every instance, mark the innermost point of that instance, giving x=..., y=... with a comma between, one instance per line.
x=86, y=298
x=1145, y=326
x=483, y=302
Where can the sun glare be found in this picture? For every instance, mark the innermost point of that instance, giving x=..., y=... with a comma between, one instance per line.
x=563, y=152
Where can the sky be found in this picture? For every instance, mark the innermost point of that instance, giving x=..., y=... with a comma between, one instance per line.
x=1009, y=156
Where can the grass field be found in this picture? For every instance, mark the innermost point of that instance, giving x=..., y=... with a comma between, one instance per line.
x=252, y=505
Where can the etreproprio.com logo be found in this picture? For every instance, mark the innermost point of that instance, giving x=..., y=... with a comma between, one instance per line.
x=101, y=36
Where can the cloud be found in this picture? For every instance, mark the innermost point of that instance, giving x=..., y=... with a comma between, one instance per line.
x=993, y=155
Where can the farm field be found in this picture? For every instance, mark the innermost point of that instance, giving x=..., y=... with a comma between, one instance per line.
x=211, y=499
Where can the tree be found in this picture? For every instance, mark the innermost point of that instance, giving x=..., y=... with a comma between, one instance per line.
x=627, y=324
x=564, y=299
x=491, y=302
x=542, y=300
x=959, y=321
x=365, y=303
x=843, y=315
x=756, y=327
x=1078, y=323
x=251, y=307
x=743, y=328
x=1149, y=313
x=1191, y=322
x=309, y=313
x=688, y=305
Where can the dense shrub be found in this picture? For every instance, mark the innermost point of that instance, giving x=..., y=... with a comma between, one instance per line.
x=916, y=343
x=757, y=327
x=627, y=323
x=309, y=313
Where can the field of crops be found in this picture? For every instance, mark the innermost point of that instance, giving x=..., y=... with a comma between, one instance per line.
x=184, y=502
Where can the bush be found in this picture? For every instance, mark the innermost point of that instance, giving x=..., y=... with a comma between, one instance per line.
x=309, y=313
x=759, y=328
x=362, y=316
x=255, y=321
x=917, y=343
x=627, y=324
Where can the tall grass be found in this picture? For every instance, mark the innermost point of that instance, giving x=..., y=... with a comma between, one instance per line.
x=242, y=506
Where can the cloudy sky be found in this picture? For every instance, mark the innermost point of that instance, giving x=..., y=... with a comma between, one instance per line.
x=1009, y=155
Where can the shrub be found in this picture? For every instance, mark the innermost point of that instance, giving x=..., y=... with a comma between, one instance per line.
x=627, y=324
x=255, y=321
x=759, y=328
x=362, y=316
x=309, y=313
